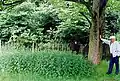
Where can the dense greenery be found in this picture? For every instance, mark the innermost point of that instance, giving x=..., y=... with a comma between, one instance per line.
x=27, y=22
x=52, y=63
x=20, y=22
x=112, y=24
x=100, y=76
x=41, y=21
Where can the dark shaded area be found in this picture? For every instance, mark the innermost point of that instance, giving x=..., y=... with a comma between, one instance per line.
x=111, y=23
x=105, y=51
x=75, y=45
x=74, y=33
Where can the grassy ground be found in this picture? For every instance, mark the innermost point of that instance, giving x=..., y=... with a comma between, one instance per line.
x=101, y=76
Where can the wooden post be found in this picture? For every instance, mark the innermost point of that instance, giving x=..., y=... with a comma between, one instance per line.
x=0, y=47
x=36, y=48
x=33, y=45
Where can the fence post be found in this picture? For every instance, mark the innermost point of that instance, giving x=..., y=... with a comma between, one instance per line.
x=0, y=47
x=36, y=47
x=33, y=45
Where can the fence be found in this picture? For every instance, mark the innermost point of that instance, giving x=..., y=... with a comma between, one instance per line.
x=36, y=47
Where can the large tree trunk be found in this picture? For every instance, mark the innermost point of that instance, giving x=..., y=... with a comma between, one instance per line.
x=102, y=25
x=94, y=40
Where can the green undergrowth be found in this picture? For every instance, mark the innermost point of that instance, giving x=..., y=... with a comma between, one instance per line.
x=47, y=63
x=23, y=76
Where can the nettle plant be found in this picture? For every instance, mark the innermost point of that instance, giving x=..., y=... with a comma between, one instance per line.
x=52, y=63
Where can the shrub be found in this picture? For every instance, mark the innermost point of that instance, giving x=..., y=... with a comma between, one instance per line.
x=52, y=63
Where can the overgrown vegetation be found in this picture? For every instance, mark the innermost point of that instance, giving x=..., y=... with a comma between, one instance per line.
x=53, y=63
x=27, y=22
x=100, y=76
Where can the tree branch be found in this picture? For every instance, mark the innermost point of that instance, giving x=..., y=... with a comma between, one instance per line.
x=87, y=4
x=86, y=18
x=78, y=1
x=12, y=3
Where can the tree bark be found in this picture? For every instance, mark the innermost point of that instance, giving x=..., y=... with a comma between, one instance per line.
x=94, y=40
x=102, y=25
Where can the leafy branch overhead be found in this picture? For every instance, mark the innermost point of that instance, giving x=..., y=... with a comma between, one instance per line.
x=9, y=3
x=88, y=4
x=83, y=14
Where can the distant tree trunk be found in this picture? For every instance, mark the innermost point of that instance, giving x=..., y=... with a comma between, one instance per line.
x=95, y=31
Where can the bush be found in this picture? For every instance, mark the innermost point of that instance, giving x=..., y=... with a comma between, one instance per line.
x=52, y=63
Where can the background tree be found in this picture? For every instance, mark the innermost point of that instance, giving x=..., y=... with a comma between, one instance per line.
x=27, y=22
x=96, y=10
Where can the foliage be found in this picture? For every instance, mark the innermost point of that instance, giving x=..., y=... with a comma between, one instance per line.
x=74, y=33
x=70, y=23
x=52, y=63
x=112, y=23
x=8, y=4
x=50, y=20
x=112, y=17
x=118, y=36
x=113, y=5
x=101, y=76
x=28, y=22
